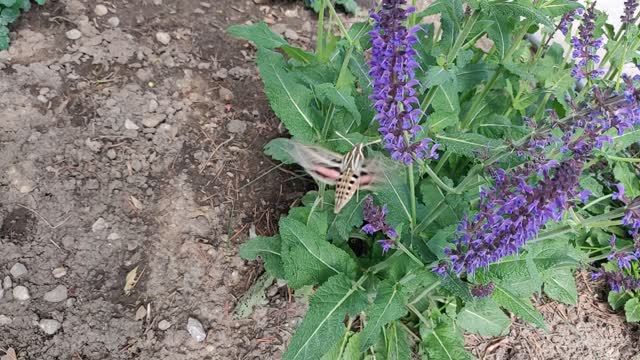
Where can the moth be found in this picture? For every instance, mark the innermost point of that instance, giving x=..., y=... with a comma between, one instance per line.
x=348, y=173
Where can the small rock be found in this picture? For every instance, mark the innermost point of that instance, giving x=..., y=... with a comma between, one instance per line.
x=141, y=313
x=21, y=293
x=18, y=269
x=5, y=320
x=95, y=146
x=221, y=74
x=163, y=38
x=291, y=13
x=99, y=225
x=153, y=106
x=130, y=125
x=73, y=34
x=1, y=293
x=157, y=2
x=59, y=272
x=236, y=126
x=291, y=35
x=114, y=21
x=6, y=284
x=111, y=154
x=58, y=294
x=113, y=236
x=164, y=325
x=196, y=330
x=49, y=326
x=101, y=10
x=226, y=95
x=152, y=121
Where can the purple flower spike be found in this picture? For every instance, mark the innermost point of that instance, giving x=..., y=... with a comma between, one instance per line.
x=585, y=48
x=619, y=194
x=374, y=216
x=392, y=70
x=483, y=290
x=630, y=7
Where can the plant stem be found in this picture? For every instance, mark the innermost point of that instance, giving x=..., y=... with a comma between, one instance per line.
x=418, y=314
x=343, y=30
x=462, y=36
x=425, y=292
x=432, y=216
x=477, y=100
x=412, y=189
x=439, y=181
x=320, y=35
x=600, y=199
x=409, y=253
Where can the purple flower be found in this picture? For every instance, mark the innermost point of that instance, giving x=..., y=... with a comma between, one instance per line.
x=523, y=200
x=483, y=290
x=392, y=71
x=566, y=20
x=374, y=216
x=630, y=7
x=585, y=48
x=619, y=194
x=618, y=281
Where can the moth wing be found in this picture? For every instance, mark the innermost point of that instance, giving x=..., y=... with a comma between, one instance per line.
x=322, y=164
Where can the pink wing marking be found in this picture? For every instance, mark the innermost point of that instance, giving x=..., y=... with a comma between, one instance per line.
x=326, y=172
x=365, y=180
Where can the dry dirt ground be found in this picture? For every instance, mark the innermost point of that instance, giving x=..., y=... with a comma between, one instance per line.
x=121, y=152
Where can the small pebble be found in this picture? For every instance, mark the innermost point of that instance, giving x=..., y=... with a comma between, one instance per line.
x=130, y=125
x=164, y=325
x=114, y=21
x=58, y=294
x=101, y=10
x=49, y=326
x=154, y=120
x=99, y=225
x=141, y=313
x=153, y=105
x=5, y=320
x=111, y=154
x=73, y=34
x=7, y=283
x=196, y=330
x=1, y=293
x=226, y=95
x=163, y=38
x=59, y=272
x=21, y=293
x=236, y=126
x=18, y=269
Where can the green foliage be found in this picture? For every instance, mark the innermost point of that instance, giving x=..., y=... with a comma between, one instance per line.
x=476, y=105
x=10, y=12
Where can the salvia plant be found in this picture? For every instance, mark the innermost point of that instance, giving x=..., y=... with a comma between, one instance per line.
x=9, y=12
x=494, y=165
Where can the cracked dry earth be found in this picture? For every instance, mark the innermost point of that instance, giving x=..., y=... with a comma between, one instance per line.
x=131, y=137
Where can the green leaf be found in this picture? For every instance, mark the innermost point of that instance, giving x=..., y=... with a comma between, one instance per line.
x=308, y=258
x=259, y=34
x=440, y=120
x=457, y=287
x=519, y=306
x=395, y=193
x=7, y=3
x=349, y=6
x=500, y=32
x=561, y=285
x=517, y=8
x=483, y=317
x=323, y=325
x=473, y=74
x=346, y=220
x=9, y=15
x=298, y=54
x=289, y=100
x=467, y=144
x=436, y=75
x=328, y=93
x=627, y=139
x=280, y=149
x=559, y=7
x=267, y=248
x=253, y=297
x=41, y=2
x=632, y=310
x=388, y=306
x=396, y=344
x=591, y=184
x=624, y=174
x=4, y=37
x=24, y=5
x=446, y=97
x=617, y=300
x=515, y=273
x=444, y=342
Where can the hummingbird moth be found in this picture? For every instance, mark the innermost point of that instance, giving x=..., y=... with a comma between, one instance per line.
x=348, y=173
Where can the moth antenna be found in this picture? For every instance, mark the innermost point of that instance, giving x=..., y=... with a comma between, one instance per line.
x=373, y=142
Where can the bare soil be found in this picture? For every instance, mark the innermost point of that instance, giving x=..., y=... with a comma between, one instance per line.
x=120, y=152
